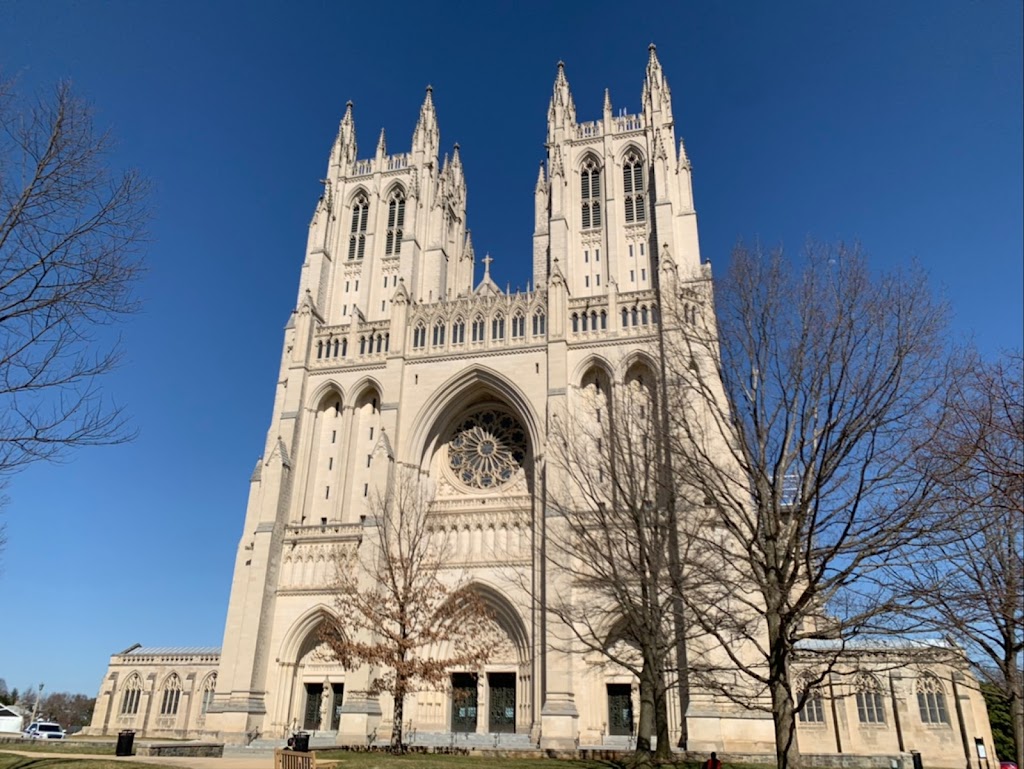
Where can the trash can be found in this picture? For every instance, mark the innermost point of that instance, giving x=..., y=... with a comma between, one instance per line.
x=916, y=756
x=125, y=742
x=301, y=742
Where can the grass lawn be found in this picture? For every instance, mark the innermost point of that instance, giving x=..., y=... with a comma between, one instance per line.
x=59, y=746
x=12, y=761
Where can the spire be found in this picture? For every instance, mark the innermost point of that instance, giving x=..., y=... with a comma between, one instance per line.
x=382, y=145
x=456, y=158
x=562, y=109
x=426, y=137
x=684, y=160
x=541, y=181
x=345, y=144
x=607, y=101
x=656, y=94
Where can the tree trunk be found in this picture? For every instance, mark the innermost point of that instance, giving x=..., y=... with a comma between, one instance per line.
x=664, y=748
x=396, y=728
x=646, y=722
x=787, y=753
x=1015, y=694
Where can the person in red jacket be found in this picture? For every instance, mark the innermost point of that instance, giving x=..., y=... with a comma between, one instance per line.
x=712, y=763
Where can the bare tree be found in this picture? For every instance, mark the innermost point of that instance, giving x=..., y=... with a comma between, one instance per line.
x=398, y=609
x=70, y=230
x=970, y=586
x=800, y=420
x=610, y=539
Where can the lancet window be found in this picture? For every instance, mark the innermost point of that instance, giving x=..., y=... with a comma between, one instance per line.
x=459, y=331
x=419, y=336
x=870, y=704
x=209, y=687
x=171, y=696
x=518, y=326
x=633, y=186
x=498, y=327
x=357, y=236
x=590, y=194
x=396, y=221
x=538, y=323
x=478, y=329
x=130, y=695
x=931, y=700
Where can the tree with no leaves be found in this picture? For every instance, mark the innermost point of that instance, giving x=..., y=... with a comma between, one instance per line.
x=69, y=236
x=970, y=585
x=398, y=612
x=800, y=420
x=610, y=539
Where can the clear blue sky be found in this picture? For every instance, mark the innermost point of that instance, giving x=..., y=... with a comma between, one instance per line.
x=898, y=124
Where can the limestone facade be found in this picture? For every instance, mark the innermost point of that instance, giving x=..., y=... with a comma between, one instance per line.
x=396, y=355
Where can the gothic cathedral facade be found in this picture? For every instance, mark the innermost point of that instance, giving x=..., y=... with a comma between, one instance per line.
x=395, y=354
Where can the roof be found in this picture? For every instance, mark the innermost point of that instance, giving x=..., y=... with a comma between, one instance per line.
x=155, y=650
x=6, y=712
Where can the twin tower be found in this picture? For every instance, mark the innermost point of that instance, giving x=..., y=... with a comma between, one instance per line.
x=396, y=356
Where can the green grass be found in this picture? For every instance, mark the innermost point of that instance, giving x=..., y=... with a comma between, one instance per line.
x=12, y=761
x=59, y=746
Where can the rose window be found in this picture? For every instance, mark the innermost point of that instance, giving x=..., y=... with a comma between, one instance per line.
x=487, y=449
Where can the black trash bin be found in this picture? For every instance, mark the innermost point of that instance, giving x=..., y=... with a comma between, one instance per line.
x=301, y=742
x=125, y=742
x=916, y=756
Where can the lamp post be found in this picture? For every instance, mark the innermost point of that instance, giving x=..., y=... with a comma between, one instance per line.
x=35, y=705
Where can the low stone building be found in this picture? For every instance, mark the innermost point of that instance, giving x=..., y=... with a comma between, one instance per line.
x=156, y=691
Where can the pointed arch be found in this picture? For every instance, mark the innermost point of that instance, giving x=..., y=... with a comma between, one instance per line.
x=170, y=695
x=477, y=383
x=931, y=699
x=459, y=330
x=634, y=185
x=131, y=694
x=479, y=328
x=207, y=690
x=360, y=205
x=396, y=220
x=303, y=630
x=506, y=615
x=590, y=170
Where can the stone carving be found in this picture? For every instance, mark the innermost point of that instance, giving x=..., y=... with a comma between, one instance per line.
x=487, y=449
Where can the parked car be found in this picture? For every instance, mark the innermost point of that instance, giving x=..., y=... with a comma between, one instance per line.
x=1007, y=765
x=44, y=730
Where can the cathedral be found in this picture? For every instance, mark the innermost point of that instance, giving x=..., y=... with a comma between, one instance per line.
x=397, y=353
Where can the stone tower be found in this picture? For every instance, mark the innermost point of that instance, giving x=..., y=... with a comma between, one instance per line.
x=393, y=355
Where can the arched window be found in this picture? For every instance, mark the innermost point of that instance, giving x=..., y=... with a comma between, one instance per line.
x=206, y=698
x=604, y=320
x=590, y=194
x=575, y=322
x=931, y=700
x=583, y=322
x=344, y=347
x=538, y=323
x=319, y=350
x=633, y=186
x=813, y=710
x=419, y=336
x=518, y=325
x=633, y=316
x=380, y=342
x=459, y=331
x=498, y=327
x=438, y=339
x=171, y=696
x=357, y=236
x=625, y=317
x=593, y=320
x=396, y=221
x=643, y=315
x=131, y=693
x=870, y=705
x=478, y=329
x=362, y=345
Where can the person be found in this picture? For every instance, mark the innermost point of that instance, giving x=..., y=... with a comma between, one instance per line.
x=712, y=763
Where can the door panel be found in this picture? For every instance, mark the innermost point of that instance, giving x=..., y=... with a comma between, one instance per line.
x=620, y=709
x=464, y=702
x=502, y=712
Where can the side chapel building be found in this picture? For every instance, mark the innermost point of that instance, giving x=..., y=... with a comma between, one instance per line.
x=394, y=353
